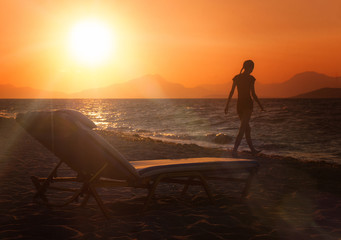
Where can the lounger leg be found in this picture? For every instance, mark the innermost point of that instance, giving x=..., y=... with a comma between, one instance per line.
x=151, y=192
x=89, y=190
x=184, y=190
x=203, y=182
x=41, y=189
x=158, y=180
x=94, y=193
x=206, y=187
x=85, y=200
x=248, y=183
x=37, y=184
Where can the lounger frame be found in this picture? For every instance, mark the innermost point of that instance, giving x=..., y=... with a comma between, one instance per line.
x=89, y=184
x=69, y=135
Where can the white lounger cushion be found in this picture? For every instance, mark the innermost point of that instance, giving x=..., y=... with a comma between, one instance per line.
x=77, y=117
x=69, y=135
x=148, y=168
x=87, y=151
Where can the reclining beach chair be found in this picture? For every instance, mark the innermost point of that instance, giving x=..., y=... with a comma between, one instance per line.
x=69, y=135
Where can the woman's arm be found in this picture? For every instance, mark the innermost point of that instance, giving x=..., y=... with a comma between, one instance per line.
x=230, y=96
x=254, y=96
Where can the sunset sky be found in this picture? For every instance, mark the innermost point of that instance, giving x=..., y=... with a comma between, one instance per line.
x=190, y=42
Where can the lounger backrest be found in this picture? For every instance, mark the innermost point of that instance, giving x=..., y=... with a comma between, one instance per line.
x=69, y=135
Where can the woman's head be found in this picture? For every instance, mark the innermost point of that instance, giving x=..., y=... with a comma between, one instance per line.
x=248, y=66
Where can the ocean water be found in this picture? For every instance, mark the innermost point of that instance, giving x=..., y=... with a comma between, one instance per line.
x=307, y=129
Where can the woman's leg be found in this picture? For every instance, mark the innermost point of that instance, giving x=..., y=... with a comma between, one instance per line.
x=244, y=124
x=248, y=138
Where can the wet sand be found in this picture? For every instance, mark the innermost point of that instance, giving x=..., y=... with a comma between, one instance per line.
x=288, y=199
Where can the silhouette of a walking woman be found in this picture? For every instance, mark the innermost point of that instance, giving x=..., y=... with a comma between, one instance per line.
x=246, y=87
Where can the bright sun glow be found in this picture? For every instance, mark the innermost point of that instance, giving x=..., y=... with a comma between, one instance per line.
x=91, y=42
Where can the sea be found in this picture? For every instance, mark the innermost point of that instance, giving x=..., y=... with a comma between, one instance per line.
x=306, y=129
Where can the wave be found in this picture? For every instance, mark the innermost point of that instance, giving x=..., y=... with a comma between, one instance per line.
x=219, y=138
x=216, y=138
x=211, y=139
x=218, y=123
x=277, y=146
x=142, y=131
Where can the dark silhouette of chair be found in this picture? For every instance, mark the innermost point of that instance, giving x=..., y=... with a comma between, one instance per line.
x=69, y=135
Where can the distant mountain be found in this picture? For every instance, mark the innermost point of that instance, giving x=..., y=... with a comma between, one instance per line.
x=149, y=86
x=10, y=91
x=322, y=93
x=154, y=86
x=217, y=90
x=298, y=84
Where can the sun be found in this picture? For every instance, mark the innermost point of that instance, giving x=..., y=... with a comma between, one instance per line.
x=91, y=42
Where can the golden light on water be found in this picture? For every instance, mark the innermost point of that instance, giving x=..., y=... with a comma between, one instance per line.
x=91, y=42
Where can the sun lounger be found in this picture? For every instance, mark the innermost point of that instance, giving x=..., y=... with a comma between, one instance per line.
x=69, y=135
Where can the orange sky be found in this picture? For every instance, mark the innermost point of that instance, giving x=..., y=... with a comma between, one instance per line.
x=191, y=42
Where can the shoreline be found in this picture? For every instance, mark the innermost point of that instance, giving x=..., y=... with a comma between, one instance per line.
x=289, y=198
x=219, y=151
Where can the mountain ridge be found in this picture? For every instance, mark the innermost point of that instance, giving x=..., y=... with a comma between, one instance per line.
x=155, y=86
x=321, y=93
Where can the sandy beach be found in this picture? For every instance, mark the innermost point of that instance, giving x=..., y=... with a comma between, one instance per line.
x=288, y=199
